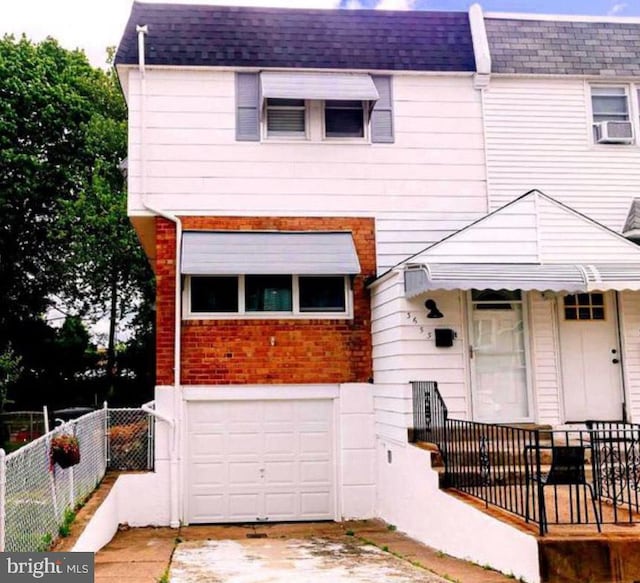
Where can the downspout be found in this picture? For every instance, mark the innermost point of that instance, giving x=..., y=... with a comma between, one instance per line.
x=174, y=490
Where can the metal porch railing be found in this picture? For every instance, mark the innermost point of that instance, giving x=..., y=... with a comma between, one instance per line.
x=545, y=476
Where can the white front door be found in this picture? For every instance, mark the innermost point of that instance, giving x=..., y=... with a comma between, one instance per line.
x=499, y=356
x=590, y=356
x=253, y=461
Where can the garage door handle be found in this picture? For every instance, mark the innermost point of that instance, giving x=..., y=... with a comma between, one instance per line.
x=615, y=361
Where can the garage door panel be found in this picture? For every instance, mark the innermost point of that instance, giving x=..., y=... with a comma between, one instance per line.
x=280, y=473
x=244, y=443
x=280, y=443
x=314, y=504
x=208, y=508
x=281, y=505
x=245, y=506
x=314, y=472
x=316, y=442
x=275, y=411
x=264, y=460
x=208, y=474
x=314, y=410
x=207, y=444
x=244, y=473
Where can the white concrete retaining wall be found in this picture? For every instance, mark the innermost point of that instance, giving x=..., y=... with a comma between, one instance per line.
x=408, y=496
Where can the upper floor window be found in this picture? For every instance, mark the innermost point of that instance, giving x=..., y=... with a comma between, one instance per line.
x=286, y=118
x=314, y=106
x=611, y=109
x=344, y=119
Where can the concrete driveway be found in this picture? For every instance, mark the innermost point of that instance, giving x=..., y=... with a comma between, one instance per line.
x=317, y=560
x=321, y=552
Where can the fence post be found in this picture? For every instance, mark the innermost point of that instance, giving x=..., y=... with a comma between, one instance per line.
x=3, y=495
x=52, y=480
x=107, y=452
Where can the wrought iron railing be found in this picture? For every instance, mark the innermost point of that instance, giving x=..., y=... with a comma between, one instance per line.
x=544, y=476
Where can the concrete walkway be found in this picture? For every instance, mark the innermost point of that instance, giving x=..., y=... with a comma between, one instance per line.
x=143, y=555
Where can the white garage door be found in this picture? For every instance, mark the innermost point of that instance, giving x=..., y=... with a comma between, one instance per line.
x=254, y=461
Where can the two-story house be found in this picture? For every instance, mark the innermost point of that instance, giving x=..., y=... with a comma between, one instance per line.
x=279, y=161
x=337, y=203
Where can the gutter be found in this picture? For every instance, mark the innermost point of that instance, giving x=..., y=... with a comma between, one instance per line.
x=173, y=453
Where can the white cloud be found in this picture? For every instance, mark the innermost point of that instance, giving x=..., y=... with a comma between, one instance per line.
x=353, y=5
x=395, y=4
x=617, y=8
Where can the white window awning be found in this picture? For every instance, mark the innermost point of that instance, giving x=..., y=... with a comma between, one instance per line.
x=324, y=86
x=570, y=278
x=260, y=253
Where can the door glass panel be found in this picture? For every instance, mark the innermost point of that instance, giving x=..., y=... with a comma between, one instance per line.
x=500, y=391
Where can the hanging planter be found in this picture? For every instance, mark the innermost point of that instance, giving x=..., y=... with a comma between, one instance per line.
x=65, y=451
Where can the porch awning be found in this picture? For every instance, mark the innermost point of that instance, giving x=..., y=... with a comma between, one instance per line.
x=260, y=253
x=571, y=278
x=328, y=86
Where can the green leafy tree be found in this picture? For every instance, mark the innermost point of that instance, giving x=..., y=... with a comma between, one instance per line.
x=64, y=233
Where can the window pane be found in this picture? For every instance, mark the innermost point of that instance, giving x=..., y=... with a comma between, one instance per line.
x=570, y=314
x=598, y=313
x=344, y=119
x=609, y=105
x=322, y=294
x=595, y=90
x=584, y=299
x=268, y=293
x=214, y=294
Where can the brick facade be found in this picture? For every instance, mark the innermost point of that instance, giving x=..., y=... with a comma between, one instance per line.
x=266, y=351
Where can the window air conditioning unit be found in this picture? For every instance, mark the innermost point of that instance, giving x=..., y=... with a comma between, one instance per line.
x=614, y=132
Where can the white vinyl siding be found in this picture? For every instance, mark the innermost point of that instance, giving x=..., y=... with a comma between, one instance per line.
x=195, y=166
x=539, y=135
x=404, y=347
x=629, y=306
x=545, y=357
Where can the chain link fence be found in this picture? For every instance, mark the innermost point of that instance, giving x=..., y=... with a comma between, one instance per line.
x=130, y=440
x=35, y=493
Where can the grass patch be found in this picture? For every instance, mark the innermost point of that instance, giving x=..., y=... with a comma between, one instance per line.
x=392, y=527
x=350, y=533
x=65, y=528
x=165, y=576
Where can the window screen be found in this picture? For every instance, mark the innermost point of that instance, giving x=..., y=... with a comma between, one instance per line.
x=344, y=119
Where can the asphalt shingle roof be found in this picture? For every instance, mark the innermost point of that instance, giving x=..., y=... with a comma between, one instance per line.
x=564, y=48
x=187, y=35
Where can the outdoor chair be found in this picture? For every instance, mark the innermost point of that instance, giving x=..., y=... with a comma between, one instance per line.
x=567, y=469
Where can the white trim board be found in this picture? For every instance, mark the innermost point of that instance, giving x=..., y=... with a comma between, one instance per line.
x=259, y=392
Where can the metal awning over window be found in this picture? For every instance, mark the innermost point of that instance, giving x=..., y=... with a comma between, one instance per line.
x=260, y=253
x=572, y=278
x=326, y=86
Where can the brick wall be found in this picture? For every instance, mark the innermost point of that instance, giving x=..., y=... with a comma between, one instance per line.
x=266, y=351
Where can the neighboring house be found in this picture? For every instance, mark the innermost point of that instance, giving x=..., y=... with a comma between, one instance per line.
x=337, y=203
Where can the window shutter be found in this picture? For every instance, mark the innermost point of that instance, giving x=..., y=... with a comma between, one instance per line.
x=247, y=107
x=382, y=114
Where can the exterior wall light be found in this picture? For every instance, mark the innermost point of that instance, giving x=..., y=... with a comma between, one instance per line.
x=432, y=309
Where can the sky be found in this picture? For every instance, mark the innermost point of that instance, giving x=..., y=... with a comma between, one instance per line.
x=93, y=25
